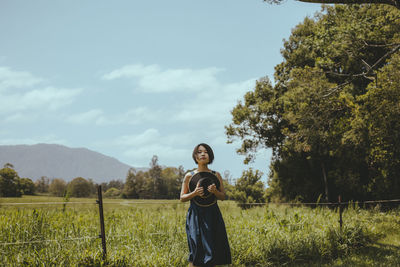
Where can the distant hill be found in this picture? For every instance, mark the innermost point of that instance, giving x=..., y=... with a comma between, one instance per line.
x=57, y=161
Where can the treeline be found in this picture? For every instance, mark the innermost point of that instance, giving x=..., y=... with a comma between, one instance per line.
x=155, y=183
x=332, y=115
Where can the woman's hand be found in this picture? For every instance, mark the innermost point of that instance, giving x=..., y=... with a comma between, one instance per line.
x=212, y=188
x=198, y=190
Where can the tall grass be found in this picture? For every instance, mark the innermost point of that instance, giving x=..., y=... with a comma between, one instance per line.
x=154, y=234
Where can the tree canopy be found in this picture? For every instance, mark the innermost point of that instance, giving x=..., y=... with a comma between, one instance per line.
x=9, y=182
x=330, y=116
x=249, y=188
x=395, y=3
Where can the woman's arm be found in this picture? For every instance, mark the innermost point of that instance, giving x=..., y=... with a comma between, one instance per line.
x=185, y=194
x=220, y=194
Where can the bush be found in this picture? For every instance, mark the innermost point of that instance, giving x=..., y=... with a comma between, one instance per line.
x=112, y=193
x=249, y=189
x=27, y=186
x=9, y=182
x=80, y=187
x=58, y=187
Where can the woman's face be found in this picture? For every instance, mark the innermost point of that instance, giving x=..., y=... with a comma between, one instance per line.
x=202, y=155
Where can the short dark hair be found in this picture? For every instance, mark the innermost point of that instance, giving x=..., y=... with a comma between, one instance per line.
x=209, y=152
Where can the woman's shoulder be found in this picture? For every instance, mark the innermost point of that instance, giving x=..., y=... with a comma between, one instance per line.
x=216, y=174
x=188, y=175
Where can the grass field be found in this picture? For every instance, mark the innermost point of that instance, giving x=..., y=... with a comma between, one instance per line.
x=152, y=233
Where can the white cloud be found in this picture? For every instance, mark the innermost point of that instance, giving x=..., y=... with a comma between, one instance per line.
x=17, y=79
x=214, y=106
x=20, y=118
x=49, y=139
x=139, y=148
x=138, y=115
x=86, y=117
x=48, y=98
x=21, y=92
x=97, y=116
x=147, y=137
x=167, y=155
x=210, y=100
x=129, y=71
x=156, y=80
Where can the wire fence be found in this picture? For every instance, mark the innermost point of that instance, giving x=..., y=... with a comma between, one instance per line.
x=49, y=240
x=100, y=202
x=183, y=203
x=42, y=203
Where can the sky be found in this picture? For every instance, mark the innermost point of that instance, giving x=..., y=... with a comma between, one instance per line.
x=132, y=79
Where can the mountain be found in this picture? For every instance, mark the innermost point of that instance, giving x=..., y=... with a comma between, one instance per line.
x=57, y=161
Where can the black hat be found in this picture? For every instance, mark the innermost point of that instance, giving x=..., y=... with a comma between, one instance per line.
x=205, y=179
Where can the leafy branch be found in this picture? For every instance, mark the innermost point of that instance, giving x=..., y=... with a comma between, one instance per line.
x=395, y=3
x=365, y=74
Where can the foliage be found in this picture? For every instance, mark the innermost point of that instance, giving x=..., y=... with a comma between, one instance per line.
x=394, y=3
x=58, y=187
x=9, y=182
x=112, y=193
x=154, y=234
x=228, y=185
x=27, y=186
x=249, y=188
x=80, y=187
x=330, y=116
x=173, y=178
x=156, y=183
x=42, y=185
x=118, y=184
x=379, y=130
x=136, y=184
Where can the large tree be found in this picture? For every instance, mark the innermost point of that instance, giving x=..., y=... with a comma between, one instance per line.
x=27, y=186
x=319, y=116
x=249, y=188
x=80, y=187
x=137, y=185
x=58, y=187
x=395, y=3
x=9, y=182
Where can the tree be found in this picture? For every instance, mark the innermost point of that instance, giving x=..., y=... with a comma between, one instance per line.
x=58, y=187
x=172, y=178
x=319, y=110
x=112, y=193
x=118, y=184
x=249, y=188
x=228, y=185
x=42, y=185
x=80, y=187
x=160, y=189
x=376, y=126
x=136, y=185
x=395, y=3
x=27, y=186
x=9, y=182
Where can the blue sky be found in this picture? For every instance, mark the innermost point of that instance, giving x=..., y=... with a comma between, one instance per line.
x=133, y=79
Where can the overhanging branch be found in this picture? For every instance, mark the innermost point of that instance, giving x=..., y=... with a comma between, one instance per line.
x=365, y=74
x=395, y=3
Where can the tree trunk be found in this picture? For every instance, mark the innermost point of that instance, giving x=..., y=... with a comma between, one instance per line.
x=325, y=181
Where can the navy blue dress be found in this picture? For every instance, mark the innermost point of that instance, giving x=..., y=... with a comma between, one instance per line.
x=206, y=235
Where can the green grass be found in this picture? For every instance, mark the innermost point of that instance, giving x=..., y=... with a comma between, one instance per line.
x=152, y=233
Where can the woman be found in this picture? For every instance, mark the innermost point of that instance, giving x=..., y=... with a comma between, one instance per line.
x=205, y=227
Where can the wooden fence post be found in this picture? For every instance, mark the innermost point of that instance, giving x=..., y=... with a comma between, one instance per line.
x=102, y=233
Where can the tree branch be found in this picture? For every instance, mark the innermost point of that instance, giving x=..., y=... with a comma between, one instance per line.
x=363, y=74
x=395, y=3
